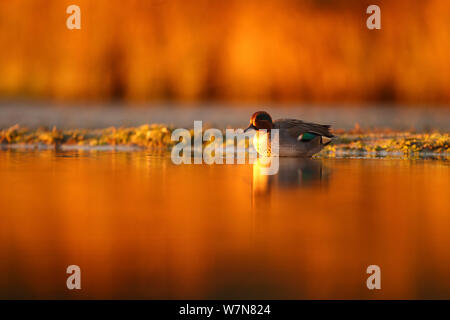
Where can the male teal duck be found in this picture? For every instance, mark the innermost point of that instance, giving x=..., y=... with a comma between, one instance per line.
x=296, y=137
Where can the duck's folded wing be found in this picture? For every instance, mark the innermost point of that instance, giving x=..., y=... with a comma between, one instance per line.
x=297, y=127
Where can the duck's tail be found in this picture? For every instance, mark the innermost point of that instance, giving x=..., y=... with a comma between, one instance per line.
x=324, y=140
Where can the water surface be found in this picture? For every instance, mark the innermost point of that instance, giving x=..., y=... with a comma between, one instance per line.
x=141, y=227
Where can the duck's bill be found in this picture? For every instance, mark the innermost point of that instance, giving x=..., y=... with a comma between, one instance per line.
x=250, y=127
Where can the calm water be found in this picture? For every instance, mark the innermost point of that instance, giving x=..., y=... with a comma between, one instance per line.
x=141, y=227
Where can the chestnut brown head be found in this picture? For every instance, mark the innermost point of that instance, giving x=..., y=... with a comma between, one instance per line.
x=260, y=120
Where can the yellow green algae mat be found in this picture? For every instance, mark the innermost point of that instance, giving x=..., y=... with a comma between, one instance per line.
x=354, y=143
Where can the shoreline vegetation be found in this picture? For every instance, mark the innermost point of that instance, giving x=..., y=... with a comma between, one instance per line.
x=351, y=143
x=131, y=51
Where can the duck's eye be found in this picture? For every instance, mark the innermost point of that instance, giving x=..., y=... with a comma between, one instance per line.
x=263, y=116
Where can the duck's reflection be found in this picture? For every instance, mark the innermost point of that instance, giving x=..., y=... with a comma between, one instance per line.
x=292, y=173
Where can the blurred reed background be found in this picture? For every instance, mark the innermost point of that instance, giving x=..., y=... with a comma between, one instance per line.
x=283, y=51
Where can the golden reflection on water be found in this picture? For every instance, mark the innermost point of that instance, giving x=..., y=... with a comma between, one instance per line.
x=141, y=227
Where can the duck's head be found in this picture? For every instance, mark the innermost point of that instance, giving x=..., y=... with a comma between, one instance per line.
x=260, y=120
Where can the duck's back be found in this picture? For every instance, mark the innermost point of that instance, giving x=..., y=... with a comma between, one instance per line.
x=297, y=127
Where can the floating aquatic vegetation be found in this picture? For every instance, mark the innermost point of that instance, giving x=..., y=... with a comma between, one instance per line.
x=356, y=143
x=397, y=144
x=154, y=135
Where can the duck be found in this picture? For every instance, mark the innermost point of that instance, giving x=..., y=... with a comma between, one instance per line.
x=297, y=138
